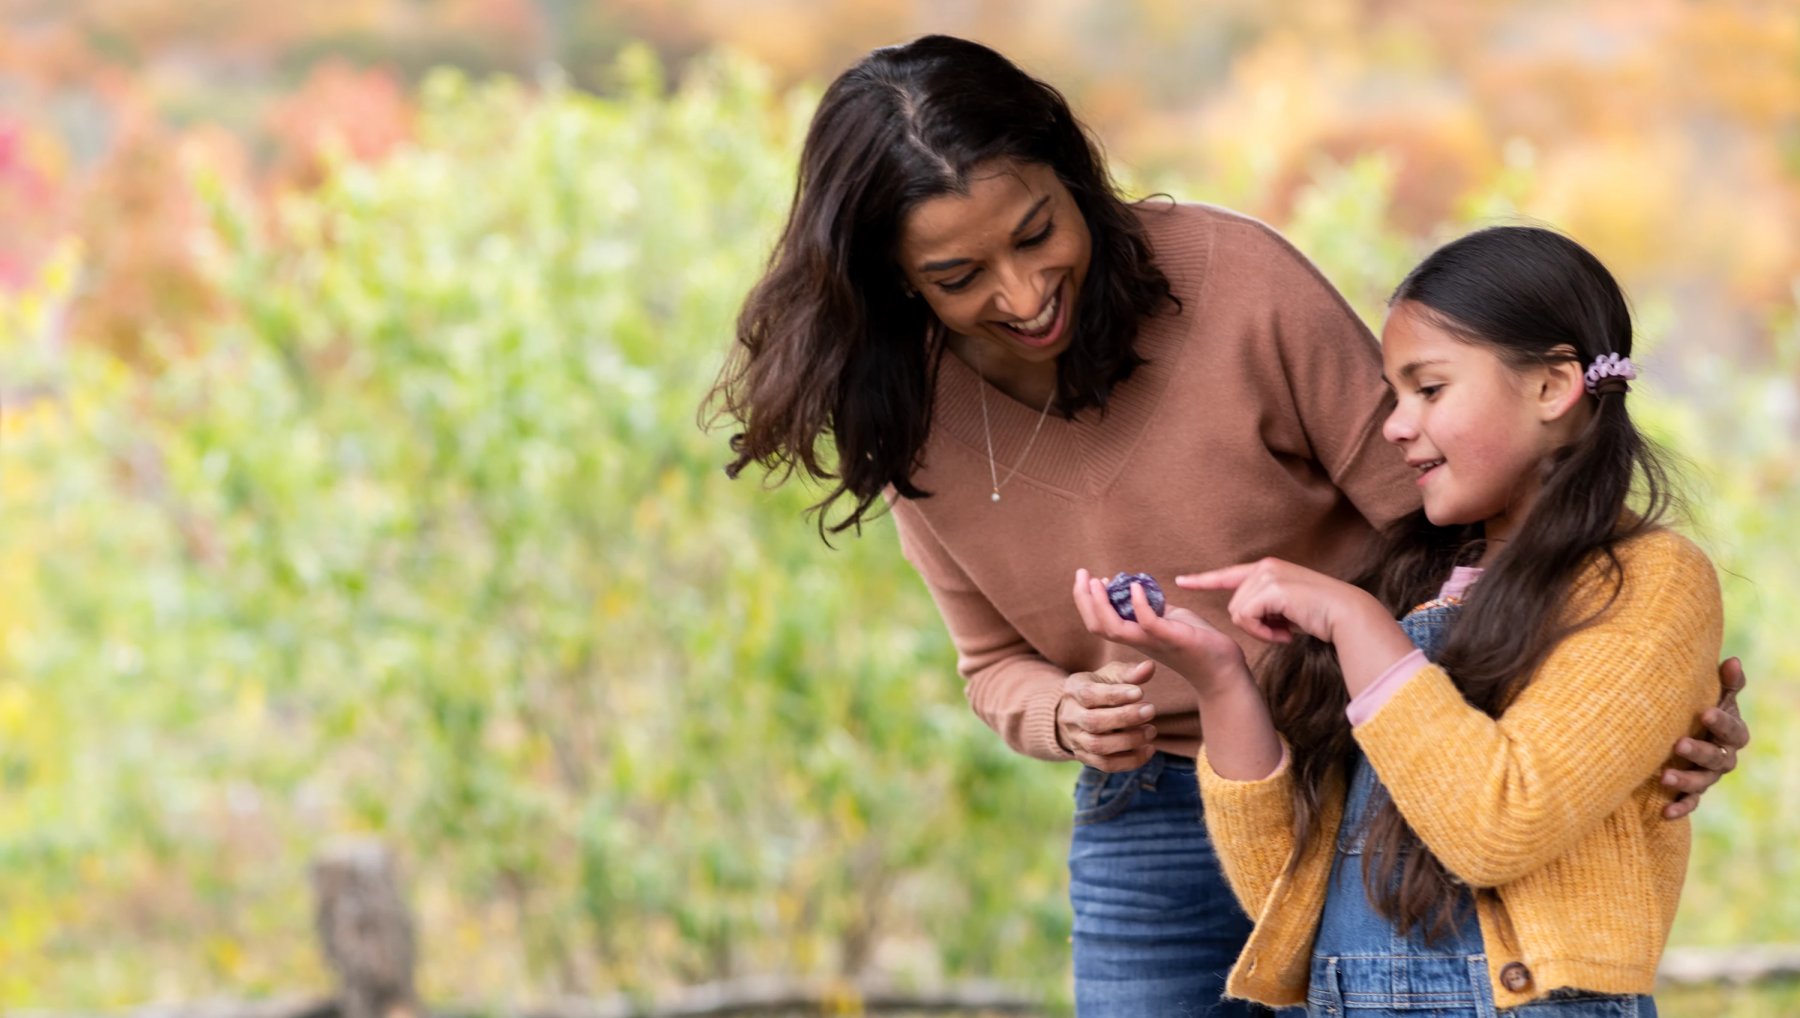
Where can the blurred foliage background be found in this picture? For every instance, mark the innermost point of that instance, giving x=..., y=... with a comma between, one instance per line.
x=350, y=479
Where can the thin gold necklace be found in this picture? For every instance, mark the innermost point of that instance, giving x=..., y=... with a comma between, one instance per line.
x=987, y=435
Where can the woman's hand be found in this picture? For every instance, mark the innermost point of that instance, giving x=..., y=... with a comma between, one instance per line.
x=1712, y=760
x=1102, y=719
x=1179, y=639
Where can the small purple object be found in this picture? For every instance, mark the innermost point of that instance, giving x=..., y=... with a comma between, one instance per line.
x=1118, y=591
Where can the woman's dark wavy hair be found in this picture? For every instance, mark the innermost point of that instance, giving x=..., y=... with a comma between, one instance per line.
x=1532, y=296
x=829, y=344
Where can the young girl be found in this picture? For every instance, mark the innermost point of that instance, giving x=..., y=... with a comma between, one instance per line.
x=1461, y=811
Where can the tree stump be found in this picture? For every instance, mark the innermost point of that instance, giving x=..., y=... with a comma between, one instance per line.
x=366, y=931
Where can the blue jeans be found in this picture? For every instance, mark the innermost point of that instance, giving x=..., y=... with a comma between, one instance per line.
x=1156, y=926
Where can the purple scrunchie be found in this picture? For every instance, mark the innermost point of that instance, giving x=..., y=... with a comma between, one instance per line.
x=1610, y=365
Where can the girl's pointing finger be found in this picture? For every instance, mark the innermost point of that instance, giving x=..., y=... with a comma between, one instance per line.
x=1227, y=578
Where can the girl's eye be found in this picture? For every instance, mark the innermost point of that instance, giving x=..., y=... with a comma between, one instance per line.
x=1039, y=237
x=1430, y=391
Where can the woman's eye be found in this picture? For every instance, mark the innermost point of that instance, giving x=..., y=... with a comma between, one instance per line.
x=958, y=284
x=1429, y=391
x=1039, y=237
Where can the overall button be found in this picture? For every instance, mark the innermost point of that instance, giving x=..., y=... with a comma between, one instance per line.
x=1515, y=977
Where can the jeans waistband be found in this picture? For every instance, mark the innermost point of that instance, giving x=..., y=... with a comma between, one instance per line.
x=1400, y=982
x=1169, y=761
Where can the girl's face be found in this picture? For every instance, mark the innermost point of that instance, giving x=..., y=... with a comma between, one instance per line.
x=1476, y=429
x=1001, y=266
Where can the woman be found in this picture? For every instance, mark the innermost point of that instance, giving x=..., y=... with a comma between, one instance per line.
x=962, y=318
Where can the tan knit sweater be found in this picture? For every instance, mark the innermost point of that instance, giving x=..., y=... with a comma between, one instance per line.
x=1553, y=812
x=1254, y=430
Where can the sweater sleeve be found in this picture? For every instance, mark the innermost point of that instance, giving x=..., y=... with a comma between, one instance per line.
x=1010, y=686
x=1251, y=824
x=1497, y=799
x=1375, y=695
x=1332, y=366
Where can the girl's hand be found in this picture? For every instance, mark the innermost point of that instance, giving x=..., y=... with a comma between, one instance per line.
x=1274, y=598
x=1179, y=639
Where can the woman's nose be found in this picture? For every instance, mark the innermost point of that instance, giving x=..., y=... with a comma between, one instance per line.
x=1021, y=295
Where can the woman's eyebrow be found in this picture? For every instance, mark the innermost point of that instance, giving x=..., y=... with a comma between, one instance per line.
x=1030, y=214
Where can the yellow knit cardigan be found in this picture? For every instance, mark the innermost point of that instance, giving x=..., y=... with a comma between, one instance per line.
x=1552, y=813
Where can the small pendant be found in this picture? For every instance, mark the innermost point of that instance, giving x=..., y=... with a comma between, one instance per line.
x=996, y=496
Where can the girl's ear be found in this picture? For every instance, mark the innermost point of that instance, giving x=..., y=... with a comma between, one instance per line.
x=1562, y=385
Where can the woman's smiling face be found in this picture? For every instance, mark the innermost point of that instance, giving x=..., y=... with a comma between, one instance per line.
x=1002, y=265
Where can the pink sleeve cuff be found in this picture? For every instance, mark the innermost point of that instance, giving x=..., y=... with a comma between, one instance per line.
x=1364, y=704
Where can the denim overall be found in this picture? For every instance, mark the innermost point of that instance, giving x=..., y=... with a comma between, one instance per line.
x=1363, y=966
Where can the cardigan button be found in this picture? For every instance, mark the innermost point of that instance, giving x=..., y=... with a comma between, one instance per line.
x=1515, y=977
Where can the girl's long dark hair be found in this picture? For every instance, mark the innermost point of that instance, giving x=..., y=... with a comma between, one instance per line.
x=829, y=344
x=1532, y=296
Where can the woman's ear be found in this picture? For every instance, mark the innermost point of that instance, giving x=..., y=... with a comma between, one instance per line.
x=1561, y=386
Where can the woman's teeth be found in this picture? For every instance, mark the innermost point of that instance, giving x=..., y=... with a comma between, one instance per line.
x=1041, y=322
